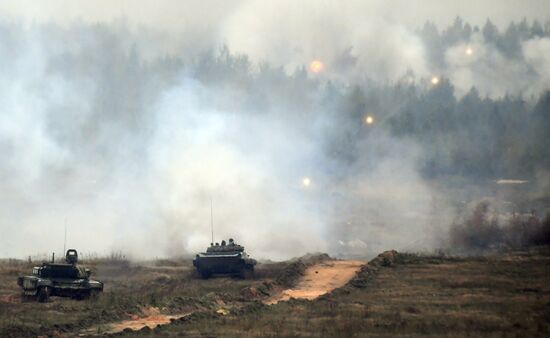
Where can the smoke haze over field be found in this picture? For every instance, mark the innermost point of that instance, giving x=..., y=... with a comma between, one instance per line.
x=124, y=119
x=174, y=15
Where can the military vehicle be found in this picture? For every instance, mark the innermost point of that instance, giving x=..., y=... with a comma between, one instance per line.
x=224, y=259
x=60, y=279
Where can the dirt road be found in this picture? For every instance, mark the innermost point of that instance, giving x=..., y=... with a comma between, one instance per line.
x=320, y=279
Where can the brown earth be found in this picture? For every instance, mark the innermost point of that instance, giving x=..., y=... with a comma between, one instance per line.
x=320, y=279
x=14, y=299
x=153, y=318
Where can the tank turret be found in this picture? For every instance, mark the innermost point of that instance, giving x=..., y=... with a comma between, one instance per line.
x=227, y=258
x=60, y=279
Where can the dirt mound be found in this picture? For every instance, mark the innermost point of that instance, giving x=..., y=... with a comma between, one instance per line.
x=385, y=259
x=291, y=273
x=297, y=268
x=259, y=291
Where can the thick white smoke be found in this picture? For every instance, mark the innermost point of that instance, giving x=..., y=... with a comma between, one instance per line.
x=136, y=171
x=480, y=64
x=145, y=189
x=251, y=166
x=350, y=38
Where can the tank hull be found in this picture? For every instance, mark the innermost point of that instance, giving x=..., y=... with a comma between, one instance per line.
x=208, y=265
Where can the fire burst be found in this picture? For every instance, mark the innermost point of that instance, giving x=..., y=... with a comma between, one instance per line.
x=306, y=181
x=435, y=80
x=469, y=51
x=316, y=66
x=369, y=119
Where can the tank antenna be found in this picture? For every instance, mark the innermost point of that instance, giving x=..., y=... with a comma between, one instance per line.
x=211, y=220
x=65, y=241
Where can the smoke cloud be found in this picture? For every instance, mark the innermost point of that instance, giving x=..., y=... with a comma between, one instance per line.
x=124, y=123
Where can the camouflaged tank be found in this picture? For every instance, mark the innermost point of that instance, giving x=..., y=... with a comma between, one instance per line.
x=227, y=258
x=60, y=279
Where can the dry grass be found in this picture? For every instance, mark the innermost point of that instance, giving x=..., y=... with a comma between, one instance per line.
x=418, y=296
x=171, y=285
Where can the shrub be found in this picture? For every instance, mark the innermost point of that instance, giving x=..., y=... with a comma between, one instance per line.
x=478, y=232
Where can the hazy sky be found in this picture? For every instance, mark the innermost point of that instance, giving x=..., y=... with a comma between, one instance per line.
x=175, y=14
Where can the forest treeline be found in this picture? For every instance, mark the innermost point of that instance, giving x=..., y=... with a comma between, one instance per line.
x=482, y=230
x=507, y=41
x=471, y=135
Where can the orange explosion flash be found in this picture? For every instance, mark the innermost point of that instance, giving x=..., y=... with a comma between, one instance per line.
x=469, y=51
x=435, y=80
x=369, y=119
x=316, y=66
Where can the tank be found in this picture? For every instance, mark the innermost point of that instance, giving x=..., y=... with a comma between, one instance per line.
x=60, y=279
x=229, y=259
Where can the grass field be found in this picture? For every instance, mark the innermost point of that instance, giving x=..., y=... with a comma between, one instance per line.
x=506, y=295
x=405, y=295
x=131, y=289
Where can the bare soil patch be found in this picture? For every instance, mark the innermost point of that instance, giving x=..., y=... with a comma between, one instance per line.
x=320, y=279
x=151, y=319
